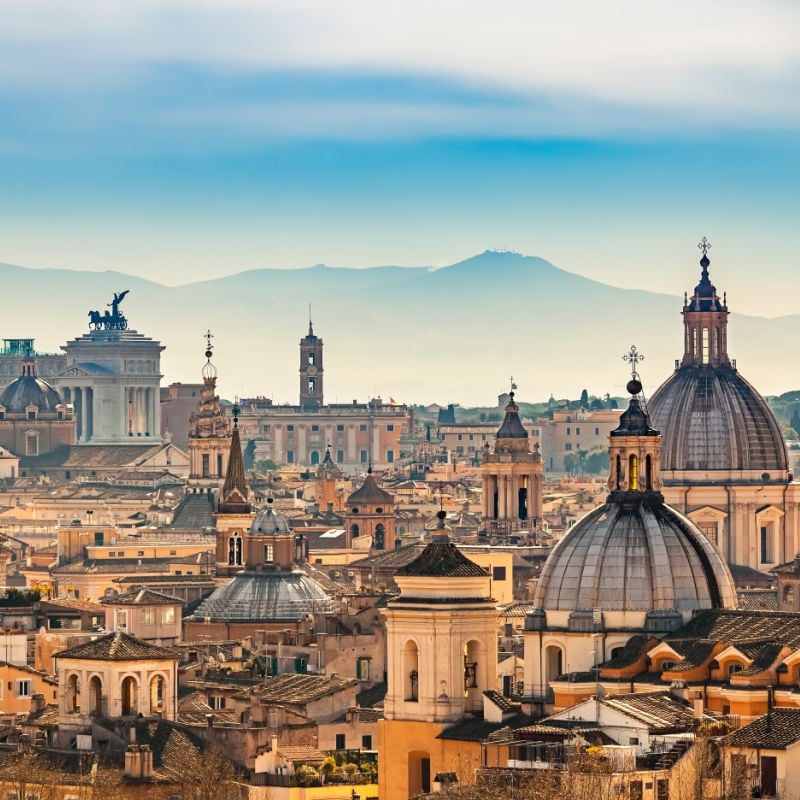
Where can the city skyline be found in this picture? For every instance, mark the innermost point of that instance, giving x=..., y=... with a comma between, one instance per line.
x=181, y=141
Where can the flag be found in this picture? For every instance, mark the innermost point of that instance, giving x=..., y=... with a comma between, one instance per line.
x=392, y=401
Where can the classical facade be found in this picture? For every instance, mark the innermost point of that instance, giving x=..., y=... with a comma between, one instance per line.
x=723, y=457
x=511, y=478
x=358, y=434
x=33, y=418
x=632, y=565
x=112, y=379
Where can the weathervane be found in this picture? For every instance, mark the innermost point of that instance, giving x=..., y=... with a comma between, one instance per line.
x=513, y=385
x=633, y=357
x=704, y=245
x=209, y=347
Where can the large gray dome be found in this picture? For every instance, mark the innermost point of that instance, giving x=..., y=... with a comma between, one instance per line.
x=711, y=418
x=265, y=597
x=641, y=556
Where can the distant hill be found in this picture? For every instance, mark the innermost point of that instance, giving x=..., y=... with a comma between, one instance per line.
x=417, y=334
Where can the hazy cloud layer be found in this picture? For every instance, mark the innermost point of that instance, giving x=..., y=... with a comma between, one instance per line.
x=551, y=68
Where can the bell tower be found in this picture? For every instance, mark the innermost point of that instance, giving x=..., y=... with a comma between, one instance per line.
x=705, y=321
x=311, y=370
x=511, y=477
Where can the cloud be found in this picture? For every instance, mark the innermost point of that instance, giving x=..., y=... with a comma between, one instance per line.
x=552, y=68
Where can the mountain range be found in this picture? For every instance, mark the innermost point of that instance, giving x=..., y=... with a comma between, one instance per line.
x=415, y=334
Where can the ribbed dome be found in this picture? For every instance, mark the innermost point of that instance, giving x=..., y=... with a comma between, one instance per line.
x=265, y=597
x=641, y=556
x=28, y=390
x=269, y=522
x=711, y=418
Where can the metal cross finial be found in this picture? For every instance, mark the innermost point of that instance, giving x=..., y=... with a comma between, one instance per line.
x=208, y=337
x=513, y=385
x=633, y=357
x=704, y=245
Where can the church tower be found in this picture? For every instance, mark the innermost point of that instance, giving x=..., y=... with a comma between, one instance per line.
x=441, y=641
x=511, y=478
x=209, y=433
x=234, y=514
x=369, y=516
x=311, y=396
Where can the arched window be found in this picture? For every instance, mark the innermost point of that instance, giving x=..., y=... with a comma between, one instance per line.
x=788, y=595
x=411, y=671
x=553, y=662
x=129, y=693
x=73, y=692
x=380, y=537
x=648, y=472
x=619, y=471
x=96, y=696
x=315, y=457
x=633, y=473
x=734, y=667
x=157, y=685
x=235, y=549
x=354, y=531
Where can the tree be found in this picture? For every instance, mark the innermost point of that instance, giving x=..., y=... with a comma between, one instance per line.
x=795, y=421
x=584, y=401
x=29, y=774
x=249, y=454
x=206, y=776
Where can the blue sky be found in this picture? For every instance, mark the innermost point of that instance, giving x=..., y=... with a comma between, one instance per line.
x=184, y=140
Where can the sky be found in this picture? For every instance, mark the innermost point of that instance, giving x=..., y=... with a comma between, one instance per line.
x=181, y=140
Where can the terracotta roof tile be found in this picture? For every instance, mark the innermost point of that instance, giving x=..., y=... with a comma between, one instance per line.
x=118, y=646
x=775, y=731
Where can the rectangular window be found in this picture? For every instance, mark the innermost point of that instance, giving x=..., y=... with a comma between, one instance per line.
x=362, y=669
x=390, y=428
x=569, y=430
x=340, y=456
x=577, y=431
x=121, y=554
x=121, y=620
x=340, y=428
x=265, y=429
x=363, y=456
x=568, y=446
x=597, y=431
x=112, y=553
x=206, y=465
x=366, y=742
x=315, y=428
x=290, y=456
x=390, y=456
x=290, y=427
x=148, y=617
x=766, y=554
x=140, y=553
x=268, y=553
x=168, y=615
x=301, y=665
x=460, y=437
x=23, y=688
x=216, y=702
x=498, y=573
x=340, y=741
x=362, y=427
x=32, y=445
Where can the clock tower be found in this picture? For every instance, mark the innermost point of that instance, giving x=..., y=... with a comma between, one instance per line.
x=310, y=371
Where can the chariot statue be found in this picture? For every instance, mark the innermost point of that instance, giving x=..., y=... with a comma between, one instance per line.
x=113, y=321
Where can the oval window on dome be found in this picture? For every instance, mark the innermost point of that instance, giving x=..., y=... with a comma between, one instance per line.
x=765, y=476
x=355, y=511
x=379, y=510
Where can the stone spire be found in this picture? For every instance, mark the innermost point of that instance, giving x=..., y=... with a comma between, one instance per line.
x=235, y=494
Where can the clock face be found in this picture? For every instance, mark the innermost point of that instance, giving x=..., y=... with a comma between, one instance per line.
x=312, y=370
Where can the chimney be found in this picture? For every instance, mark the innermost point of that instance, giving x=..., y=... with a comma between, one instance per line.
x=210, y=720
x=699, y=706
x=330, y=508
x=38, y=703
x=797, y=562
x=138, y=763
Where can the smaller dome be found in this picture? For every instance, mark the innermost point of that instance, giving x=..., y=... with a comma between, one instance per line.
x=28, y=390
x=369, y=493
x=512, y=425
x=269, y=522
